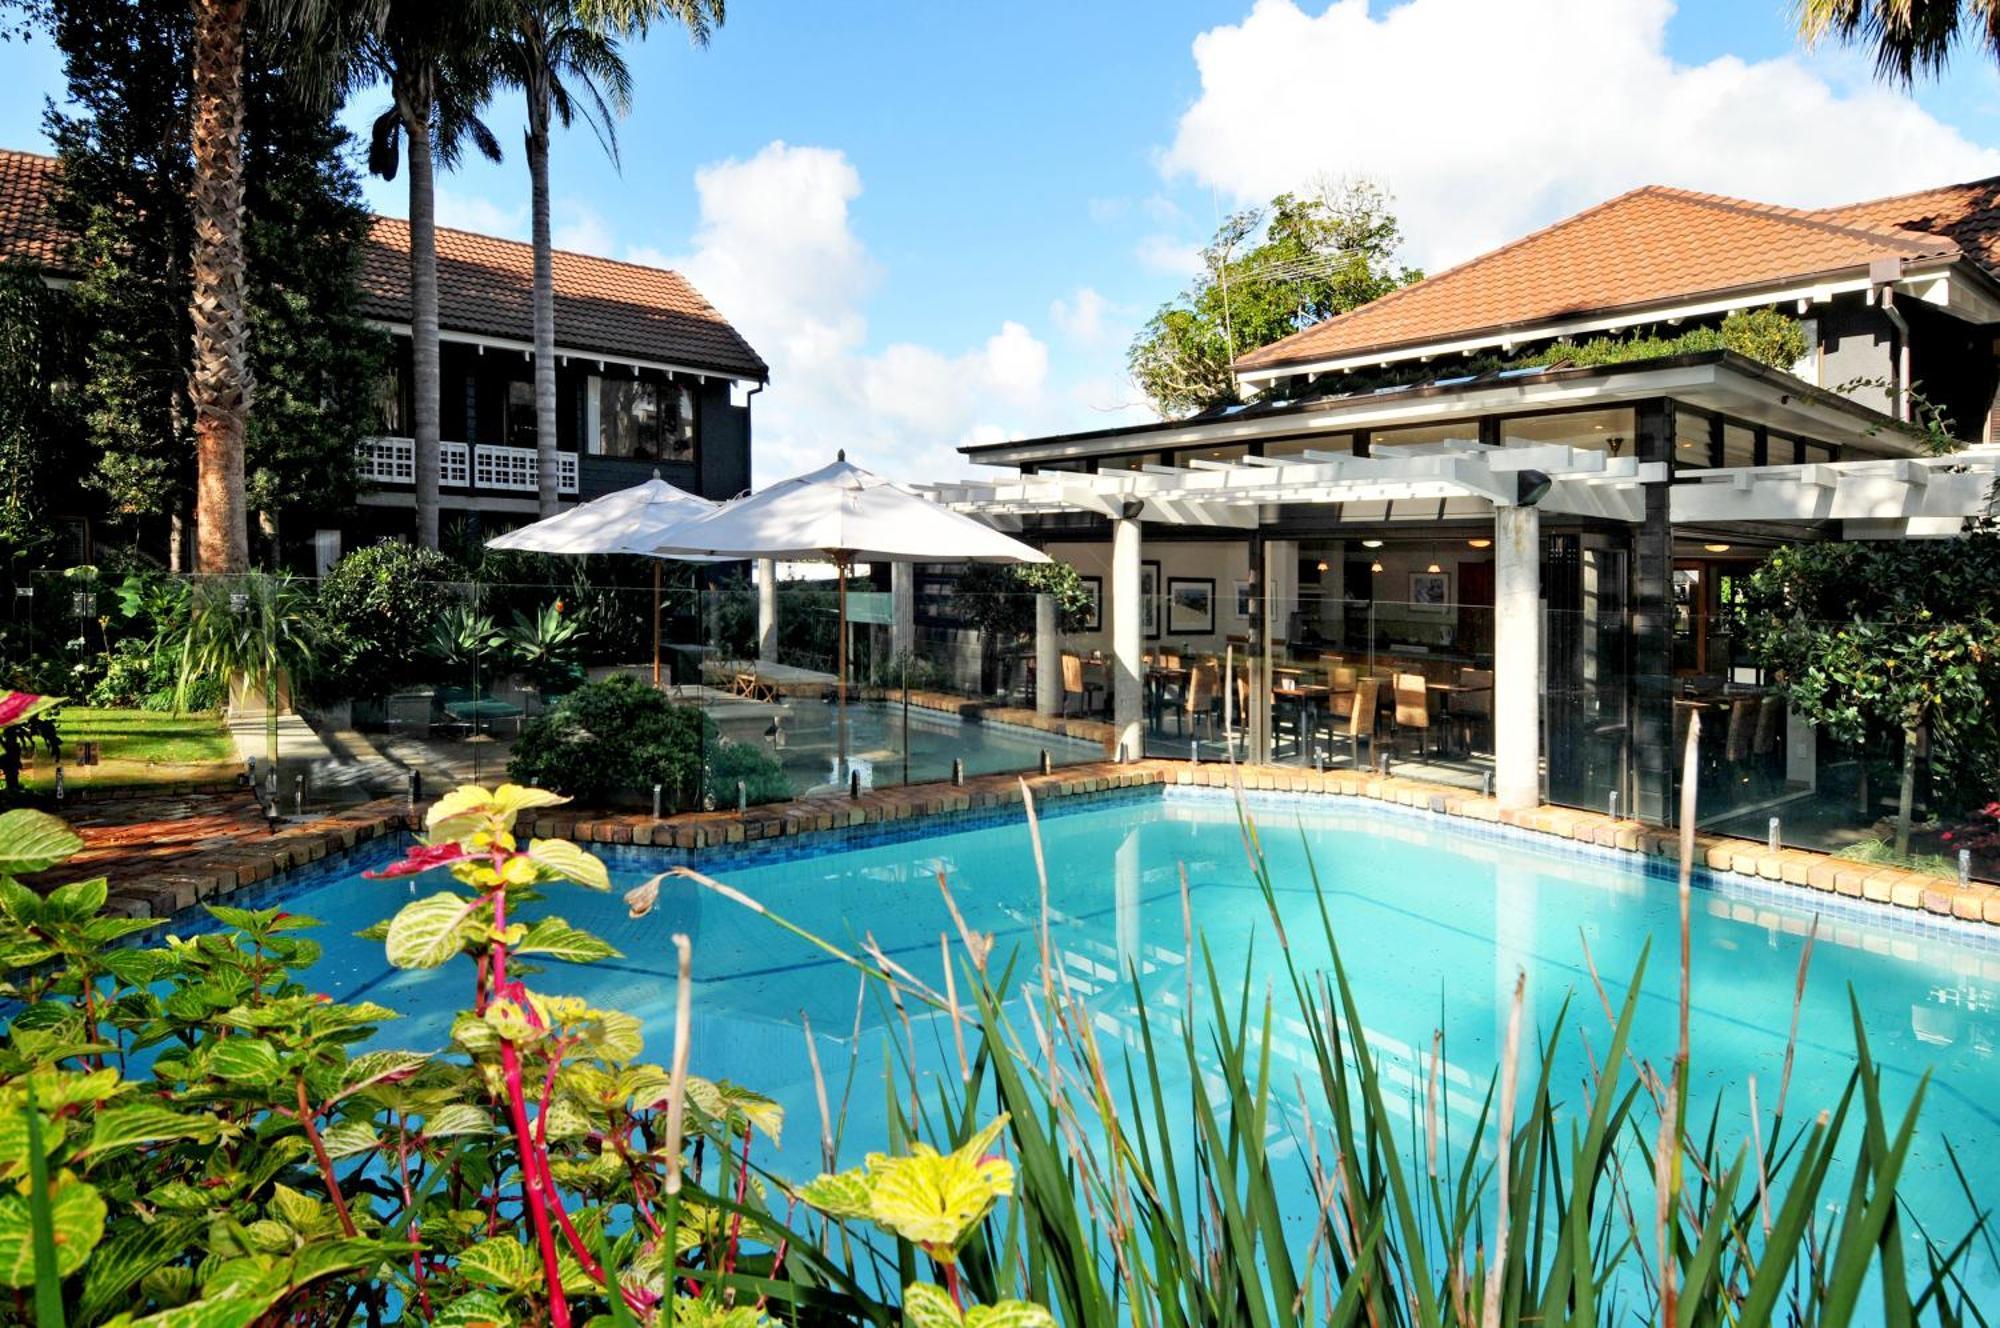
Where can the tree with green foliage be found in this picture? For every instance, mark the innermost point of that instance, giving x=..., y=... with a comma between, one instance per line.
x=1889, y=645
x=126, y=185
x=1268, y=273
x=33, y=438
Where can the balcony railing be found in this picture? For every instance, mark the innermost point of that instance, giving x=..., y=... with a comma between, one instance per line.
x=462, y=465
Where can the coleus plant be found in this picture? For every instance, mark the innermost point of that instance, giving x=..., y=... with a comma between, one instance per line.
x=191, y=1136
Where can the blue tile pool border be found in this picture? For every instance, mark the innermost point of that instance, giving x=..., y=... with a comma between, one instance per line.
x=1729, y=885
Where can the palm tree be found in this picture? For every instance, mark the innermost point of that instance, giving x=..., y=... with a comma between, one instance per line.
x=431, y=56
x=1909, y=37
x=564, y=55
x=220, y=381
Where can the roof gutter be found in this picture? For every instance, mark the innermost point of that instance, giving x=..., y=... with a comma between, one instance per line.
x=1883, y=274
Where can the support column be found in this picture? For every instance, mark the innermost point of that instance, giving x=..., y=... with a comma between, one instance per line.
x=767, y=610
x=902, y=609
x=1048, y=657
x=1517, y=656
x=1257, y=668
x=1280, y=594
x=1655, y=764
x=1128, y=680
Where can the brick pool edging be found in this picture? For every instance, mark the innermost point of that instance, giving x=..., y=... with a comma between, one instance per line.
x=213, y=873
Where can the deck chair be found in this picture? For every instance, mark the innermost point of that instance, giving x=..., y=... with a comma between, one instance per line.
x=1361, y=719
x=1413, y=709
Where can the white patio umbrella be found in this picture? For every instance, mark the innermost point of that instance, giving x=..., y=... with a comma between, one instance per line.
x=628, y=521
x=842, y=514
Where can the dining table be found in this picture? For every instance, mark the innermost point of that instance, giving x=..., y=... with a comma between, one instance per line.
x=1445, y=692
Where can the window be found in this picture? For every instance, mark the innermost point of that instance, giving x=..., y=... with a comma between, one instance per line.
x=1739, y=446
x=1693, y=438
x=520, y=414
x=1612, y=431
x=1390, y=440
x=1292, y=447
x=644, y=420
x=1233, y=453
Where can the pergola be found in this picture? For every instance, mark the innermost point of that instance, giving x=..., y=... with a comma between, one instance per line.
x=1897, y=497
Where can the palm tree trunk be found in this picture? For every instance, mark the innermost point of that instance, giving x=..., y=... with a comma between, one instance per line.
x=424, y=371
x=220, y=386
x=545, y=307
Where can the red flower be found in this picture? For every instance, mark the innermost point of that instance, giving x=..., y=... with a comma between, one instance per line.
x=421, y=858
x=1946, y=836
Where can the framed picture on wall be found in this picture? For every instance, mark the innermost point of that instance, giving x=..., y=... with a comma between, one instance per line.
x=1430, y=592
x=1243, y=600
x=1191, y=606
x=1093, y=615
x=1149, y=600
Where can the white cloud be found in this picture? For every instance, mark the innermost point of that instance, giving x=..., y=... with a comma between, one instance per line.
x=1170, y=255
x=1486, y=119
x=580, y=228
x=777, y=253
x=1081, y=316
x=476, y=212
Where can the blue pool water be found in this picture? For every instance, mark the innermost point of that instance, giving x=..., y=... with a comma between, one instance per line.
x=1433, y=922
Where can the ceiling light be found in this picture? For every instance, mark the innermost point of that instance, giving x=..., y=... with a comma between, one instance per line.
x=1434, y=568
x=1377, y=566
x=1480, y=543
x=1322, y=567
x=1371, y=544
x=1716, y=548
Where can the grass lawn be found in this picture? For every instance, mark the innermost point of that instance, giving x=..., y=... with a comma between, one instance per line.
x=136, y=747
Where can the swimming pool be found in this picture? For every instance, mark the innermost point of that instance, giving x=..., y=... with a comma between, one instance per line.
x=1433, y=923
x=886, y=752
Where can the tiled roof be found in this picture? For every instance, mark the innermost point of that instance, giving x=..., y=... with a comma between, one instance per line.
x=485, y=286
x=1653, y=246
x=1966, y=213
x=28, y=230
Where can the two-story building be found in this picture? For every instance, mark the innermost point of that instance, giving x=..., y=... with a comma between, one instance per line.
x=1422, y=490
x=649, y=376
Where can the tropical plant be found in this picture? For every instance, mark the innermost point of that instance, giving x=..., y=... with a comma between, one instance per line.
x=1908, y=37
x=463, y=640
x=1889, y=643
x=25, y=720
x=546, y=648
x=434, y=58
x=257, y=632
x=1268, y=273
x=563, y=55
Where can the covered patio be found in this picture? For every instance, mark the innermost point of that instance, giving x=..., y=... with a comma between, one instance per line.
x=1482, y=580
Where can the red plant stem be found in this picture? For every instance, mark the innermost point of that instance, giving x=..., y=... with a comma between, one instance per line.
x=416, y=1223
x=325, y=1162
x=517, y=1109
x=742, y=1194
x=951, y=1285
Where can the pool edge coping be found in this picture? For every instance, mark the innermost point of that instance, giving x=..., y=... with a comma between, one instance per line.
x=214, y=873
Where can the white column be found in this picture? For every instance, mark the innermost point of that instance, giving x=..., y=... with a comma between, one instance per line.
x=767, y=610
x=1517, y=656
x=1128, y=680
x=902, y=609
x=1048, y=656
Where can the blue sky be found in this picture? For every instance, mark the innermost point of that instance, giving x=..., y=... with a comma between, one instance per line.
x=942, y=221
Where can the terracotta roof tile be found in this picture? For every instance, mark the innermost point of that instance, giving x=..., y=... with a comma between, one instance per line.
x=485, y=286
x=29, y=232
x=1649, y=247
x=1966, y=213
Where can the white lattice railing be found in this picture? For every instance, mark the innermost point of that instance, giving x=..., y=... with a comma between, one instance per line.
x=480, y=466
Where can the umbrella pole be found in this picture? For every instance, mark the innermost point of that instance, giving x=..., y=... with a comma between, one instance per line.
x=656, y=623
x=840, y=656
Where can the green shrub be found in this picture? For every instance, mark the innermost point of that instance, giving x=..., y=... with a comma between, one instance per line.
x=376, y=610
x=613, y=740
x=762, y=777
